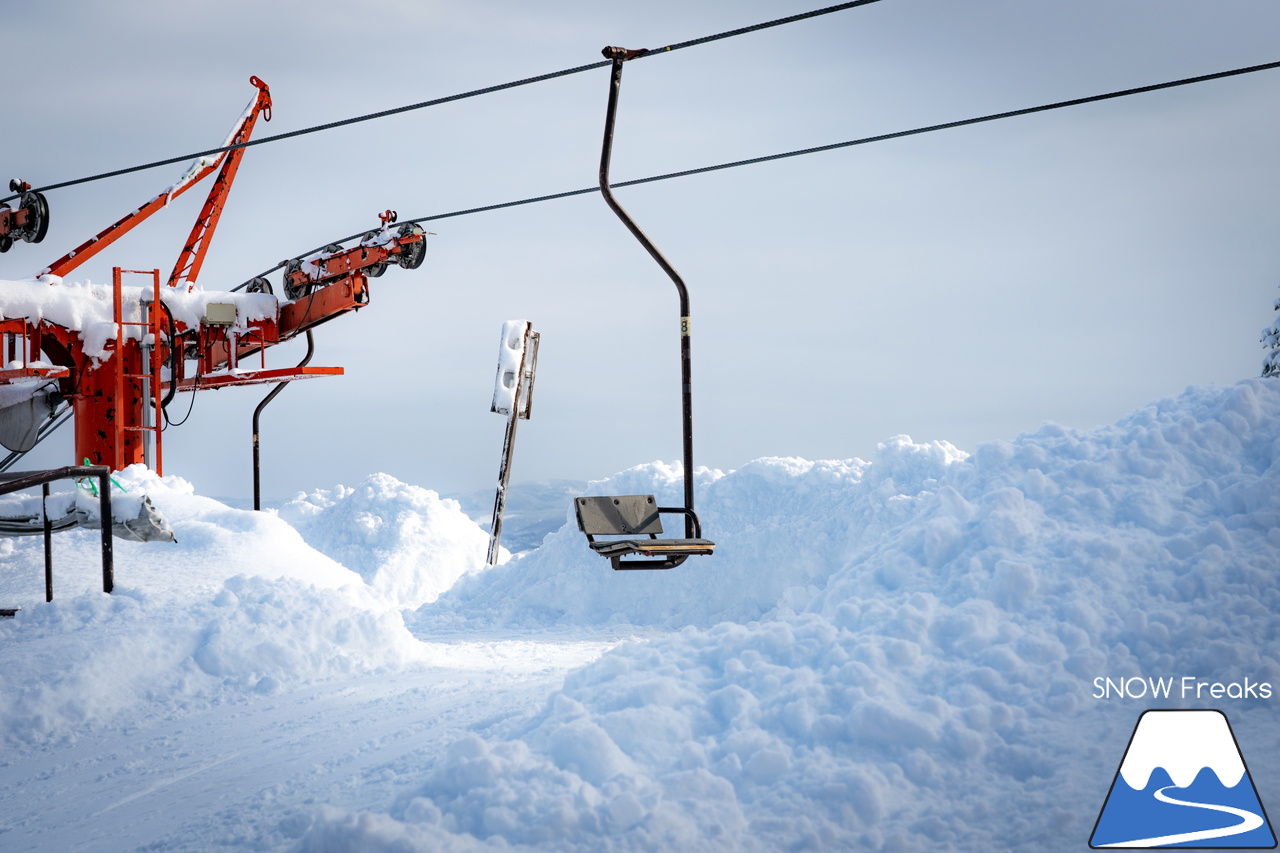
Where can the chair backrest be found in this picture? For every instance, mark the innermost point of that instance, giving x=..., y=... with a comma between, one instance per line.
x=618, y=515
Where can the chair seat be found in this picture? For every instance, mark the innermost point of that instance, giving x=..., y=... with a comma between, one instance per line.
x=636, y=518
x=618, y=547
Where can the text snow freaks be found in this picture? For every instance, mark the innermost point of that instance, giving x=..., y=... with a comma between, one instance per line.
x=1186, y=687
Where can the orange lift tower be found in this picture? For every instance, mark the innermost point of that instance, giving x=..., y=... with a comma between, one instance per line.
x=109, y=397
x=176, y=338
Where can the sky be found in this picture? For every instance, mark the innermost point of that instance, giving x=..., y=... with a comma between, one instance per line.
x=965, y=285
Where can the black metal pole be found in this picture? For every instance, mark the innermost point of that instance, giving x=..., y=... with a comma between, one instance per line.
x=257, y=413
x=104, y=506
x=48, y=543
x=620, y=55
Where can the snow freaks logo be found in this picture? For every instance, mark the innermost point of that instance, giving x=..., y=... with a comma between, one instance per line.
x=1187, y=687
x=1182, y=782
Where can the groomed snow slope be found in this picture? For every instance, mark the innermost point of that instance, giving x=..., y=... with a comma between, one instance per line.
x=887, y=655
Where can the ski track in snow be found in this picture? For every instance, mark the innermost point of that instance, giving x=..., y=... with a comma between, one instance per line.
x=248, y=777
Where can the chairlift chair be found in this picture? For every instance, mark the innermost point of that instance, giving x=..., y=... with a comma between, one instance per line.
x=636, y=517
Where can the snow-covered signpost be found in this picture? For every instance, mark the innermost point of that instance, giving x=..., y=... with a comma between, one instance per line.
x=512, y=396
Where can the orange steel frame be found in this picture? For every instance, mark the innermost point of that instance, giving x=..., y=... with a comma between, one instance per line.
x=111, y=397
x=144, y=386
x=187, y=269
x=20, y=330
x=192, y=255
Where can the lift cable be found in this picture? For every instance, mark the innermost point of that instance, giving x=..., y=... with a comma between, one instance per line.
x=1057, y=105
x=790, y=19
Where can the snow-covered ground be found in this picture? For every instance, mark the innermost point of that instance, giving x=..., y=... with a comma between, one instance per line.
x=893, y=654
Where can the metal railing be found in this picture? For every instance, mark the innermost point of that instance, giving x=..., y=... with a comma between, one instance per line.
x=30, y=479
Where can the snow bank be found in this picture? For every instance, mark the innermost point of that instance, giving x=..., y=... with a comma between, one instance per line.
x=82, y=662
x=923, y=680
x=897, y=654
x=781, y=526
x=407, y=543
x=239, y=605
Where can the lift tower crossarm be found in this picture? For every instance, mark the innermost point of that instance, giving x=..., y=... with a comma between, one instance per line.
x=187, y=269
x=198, y=170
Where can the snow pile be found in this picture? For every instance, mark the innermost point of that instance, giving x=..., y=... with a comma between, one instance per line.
x=133, y=515
x=407, y=543
x=782, y=525
x=239, y=605
x=78, y=663
x=897, y=654
x=926, y=681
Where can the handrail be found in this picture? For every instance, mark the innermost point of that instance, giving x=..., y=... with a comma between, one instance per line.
x=20, y=480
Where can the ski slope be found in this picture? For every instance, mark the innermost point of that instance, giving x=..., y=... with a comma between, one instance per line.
x=887, y=654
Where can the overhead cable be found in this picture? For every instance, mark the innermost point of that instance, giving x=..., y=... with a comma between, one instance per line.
x=790, y=19
x=1057, y=105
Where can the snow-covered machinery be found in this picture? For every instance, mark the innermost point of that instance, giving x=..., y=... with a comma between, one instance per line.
x=108, y=361
x=406, y=246
x=29, y=221
x=115, y=357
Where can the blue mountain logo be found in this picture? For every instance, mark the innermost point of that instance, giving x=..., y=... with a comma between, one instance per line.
x=1183, y=783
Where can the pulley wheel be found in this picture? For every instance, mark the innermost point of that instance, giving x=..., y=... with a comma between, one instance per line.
x=414, y=253
x=37, y=208
x=323, y=270
x=373, y=270
x=293, y=291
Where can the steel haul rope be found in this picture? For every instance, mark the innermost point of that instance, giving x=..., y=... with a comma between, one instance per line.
x=791, y=19
x=1057, y=105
